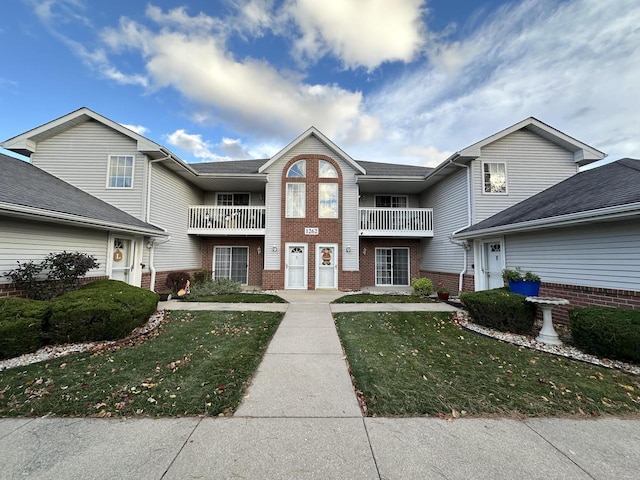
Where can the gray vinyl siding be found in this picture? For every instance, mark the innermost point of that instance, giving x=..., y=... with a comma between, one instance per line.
x=171, y=197
x=533, y=164
x=80, y=156
x=274, y=191
x=25, y=240
x=605, y=255
x=448, y=199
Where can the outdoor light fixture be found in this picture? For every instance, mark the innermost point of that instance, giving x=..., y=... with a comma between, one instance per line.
x=274, y=248
x=364, y=251
x=259, y=250
x=348, y=249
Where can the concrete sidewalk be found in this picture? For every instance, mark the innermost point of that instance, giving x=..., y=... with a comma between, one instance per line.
x=301, y=420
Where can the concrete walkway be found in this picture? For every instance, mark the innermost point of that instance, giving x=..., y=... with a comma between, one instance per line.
x=301, y=420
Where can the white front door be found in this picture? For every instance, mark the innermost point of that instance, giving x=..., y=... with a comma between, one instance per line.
x=122, y=260
x=493, y=264
x=296, y=266
x=327, y=265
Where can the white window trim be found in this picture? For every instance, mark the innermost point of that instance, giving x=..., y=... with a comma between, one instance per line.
x=375, y=267
x=213, y=262
x=304, y=200
x=337, y=199
x=506, y=179
x=133, y=171
x=232, y=193
x=331, y=165
x=304, y=161
x=389, y=195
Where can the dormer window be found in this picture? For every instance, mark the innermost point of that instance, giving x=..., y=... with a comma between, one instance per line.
x=298, y=169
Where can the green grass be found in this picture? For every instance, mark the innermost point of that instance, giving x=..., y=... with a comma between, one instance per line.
x=199, y=364
x=421, y=364
x=382, y=298
x=237, y=298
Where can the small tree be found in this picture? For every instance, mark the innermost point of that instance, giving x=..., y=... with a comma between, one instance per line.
x=63, y=273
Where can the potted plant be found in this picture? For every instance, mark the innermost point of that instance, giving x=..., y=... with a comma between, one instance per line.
x=524, y=283
x=442, y=291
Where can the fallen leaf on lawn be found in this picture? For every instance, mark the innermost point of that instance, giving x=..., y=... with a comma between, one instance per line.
x=627, y=387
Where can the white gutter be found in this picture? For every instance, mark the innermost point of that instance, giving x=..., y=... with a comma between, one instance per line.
x=147, y=215
x=22, y=211
x=464, y=245
x=589, y=216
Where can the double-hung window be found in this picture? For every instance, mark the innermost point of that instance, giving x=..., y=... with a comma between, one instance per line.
x=120, y=172
x=494, y=177
x=232, y=199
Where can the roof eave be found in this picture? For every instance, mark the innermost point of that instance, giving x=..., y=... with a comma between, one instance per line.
x=590, y=216
x=22, y=211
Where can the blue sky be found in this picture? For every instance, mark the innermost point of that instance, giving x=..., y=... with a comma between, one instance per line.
x=404, y=81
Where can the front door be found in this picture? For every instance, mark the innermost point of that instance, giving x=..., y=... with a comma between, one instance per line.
x=121, y=260
x=296, y=266
x=327, y=265
x=493, y=264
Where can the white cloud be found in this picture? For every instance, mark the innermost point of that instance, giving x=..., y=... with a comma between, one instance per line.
x=574, y=65
x=241, y=92
x=361, y=33
x=195, y=145
x=139, y=129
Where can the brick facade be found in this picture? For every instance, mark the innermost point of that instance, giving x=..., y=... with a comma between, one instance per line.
x=450, y=280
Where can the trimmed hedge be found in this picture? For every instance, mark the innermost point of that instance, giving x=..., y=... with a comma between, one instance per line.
x=500, y=309
x=101, y=310
x=21, y=325
x=606, y=332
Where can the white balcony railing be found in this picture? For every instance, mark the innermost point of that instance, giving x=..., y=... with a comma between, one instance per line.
x=400, y=222
x=211, y=220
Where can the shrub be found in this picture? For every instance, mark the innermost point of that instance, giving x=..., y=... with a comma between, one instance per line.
x=63, y=272
x=101, y=310
x=202, y=276
x=21, y=325
x=518, y=275
x=221, y=286
x=176, y=281
x=422, y=286
x=606, y=332
x=500, y=309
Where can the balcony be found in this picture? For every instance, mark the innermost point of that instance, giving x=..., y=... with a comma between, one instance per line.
x=213, y=221
x=396, y=222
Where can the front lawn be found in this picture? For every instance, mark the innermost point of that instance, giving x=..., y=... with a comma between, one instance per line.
x=418, y=363
x=237, y=298
x=199, y=364
x=382, y=298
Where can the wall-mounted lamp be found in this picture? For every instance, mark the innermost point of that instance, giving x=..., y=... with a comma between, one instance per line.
x=364, y=251
x=348, y=249
x=274, y=248
x=259, y=250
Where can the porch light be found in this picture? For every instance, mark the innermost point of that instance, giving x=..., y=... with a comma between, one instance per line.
x=364, y=251
x=348, y=249
x=259, y=250
x=274, y=248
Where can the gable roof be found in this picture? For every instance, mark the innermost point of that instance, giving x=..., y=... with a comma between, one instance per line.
x=28, y=191
x=229, y=166
x=25, y=143
x=609, y=191
x=313, y=131
x=583, y=154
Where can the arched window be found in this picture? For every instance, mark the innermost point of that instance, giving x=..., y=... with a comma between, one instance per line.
x=326, y=170
x=298, y=169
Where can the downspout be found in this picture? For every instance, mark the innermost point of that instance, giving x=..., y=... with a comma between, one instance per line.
x=464, y=244
x=151, y=245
